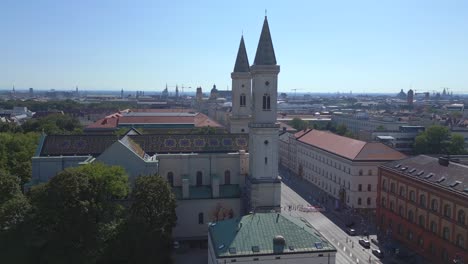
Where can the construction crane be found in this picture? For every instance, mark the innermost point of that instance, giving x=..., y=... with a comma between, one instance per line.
x=295, y=92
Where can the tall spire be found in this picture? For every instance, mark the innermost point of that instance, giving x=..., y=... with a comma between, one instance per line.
x=265, y=53
x=242, y=61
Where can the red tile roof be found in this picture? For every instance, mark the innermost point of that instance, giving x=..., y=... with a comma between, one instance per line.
x=349, y=148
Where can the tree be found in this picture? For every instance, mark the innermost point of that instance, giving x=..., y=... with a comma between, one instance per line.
x=146, y=237
x=298, y=123
x=380, y=128
x=54, y=124
x=13, y=205
x=75, y=213
x=341, y=129
x=457, y=145
x=435, y=140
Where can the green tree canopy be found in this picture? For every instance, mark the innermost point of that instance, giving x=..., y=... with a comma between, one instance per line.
x=54, y=124
x=13, y=205
x=75, y=213
x=298, y=123
x=341, y=129
x=457, y=144
x=438, y=140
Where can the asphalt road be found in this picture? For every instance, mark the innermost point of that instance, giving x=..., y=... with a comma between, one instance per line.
x=349, y=250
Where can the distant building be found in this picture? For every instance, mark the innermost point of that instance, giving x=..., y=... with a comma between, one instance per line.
x=410, y=97
x=423, y=203
x=199, y=94
x=214, y=93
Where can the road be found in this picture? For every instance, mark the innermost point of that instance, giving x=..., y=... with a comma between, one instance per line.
x=349, y=250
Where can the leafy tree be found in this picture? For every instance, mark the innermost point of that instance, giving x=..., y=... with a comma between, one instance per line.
x=380, y=128
x=435, y=140
x=298, y=123
x=16, y=151
x=75, y=213
x=457, y=145
x=146, y=237
x=54, y=124
x=13, y=205
x=341, y=129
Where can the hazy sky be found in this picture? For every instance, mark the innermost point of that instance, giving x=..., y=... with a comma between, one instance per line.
x=322, y=46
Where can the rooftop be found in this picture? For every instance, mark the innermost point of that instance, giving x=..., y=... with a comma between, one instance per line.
x=266, y=234
x=349, y=148
x=428, y=169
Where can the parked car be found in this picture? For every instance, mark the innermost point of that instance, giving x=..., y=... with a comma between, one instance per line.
x=374, y=241
x=364, y=242
x=351, y=231
x=378, y=253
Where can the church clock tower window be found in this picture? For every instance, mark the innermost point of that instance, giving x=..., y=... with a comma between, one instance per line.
x=242, y=100
x=266, y=102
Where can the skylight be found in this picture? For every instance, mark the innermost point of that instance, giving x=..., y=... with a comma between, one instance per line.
x=429, y=176
x=255, y=249
x=318, y=245
x=232, y=250
x=403, y=168
x=397, y=166
x=412, y=170
x=420, y=173
x=455, y=184
x=441, y=180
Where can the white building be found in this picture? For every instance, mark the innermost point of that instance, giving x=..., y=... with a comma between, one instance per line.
x=343, y=168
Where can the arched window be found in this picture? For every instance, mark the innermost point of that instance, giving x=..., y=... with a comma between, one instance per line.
x=227, y=177
x=461, y=217
x=434, y=205
x=266, y=102
x=384, y=185
x=199, y=178
x=359, y=201
x=446, y=233
x=242, y=100
x=447, y=211
x=392, y=187
x=400, y=210
x=201, y=219
x=412, y=196
x=433, y=227
x=170, y=178
x=422, y=201
x=460, y=241
x=411, y=216
x=368, y=201
x=422, y=221
x=402, y=191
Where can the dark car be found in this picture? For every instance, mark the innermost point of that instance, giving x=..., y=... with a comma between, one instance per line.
x=378, y=253
x=351, y=231
x=364, y=242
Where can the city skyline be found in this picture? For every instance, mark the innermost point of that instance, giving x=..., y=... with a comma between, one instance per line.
x=365, y=47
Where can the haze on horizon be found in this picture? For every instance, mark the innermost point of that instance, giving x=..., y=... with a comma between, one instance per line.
x=366, y=46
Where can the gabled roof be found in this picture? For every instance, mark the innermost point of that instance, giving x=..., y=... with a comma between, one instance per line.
x=254, y=234
x=349, y=148
x=242, y=61
x=265, y=53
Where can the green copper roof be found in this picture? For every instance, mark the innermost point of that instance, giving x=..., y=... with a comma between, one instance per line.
x=253, y=234
x=265, y=53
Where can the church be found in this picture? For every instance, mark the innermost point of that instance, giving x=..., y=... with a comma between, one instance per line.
x=224, y=178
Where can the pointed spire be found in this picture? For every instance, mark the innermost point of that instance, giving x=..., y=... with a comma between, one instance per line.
x=242, y=61
x=265, y=52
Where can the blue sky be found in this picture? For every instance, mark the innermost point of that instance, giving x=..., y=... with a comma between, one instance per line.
x=322, y=46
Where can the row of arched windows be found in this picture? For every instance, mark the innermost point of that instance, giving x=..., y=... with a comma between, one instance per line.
x=199, y=178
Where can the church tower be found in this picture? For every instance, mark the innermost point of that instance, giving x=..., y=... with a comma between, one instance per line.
x=263, y=182
x=241, y=92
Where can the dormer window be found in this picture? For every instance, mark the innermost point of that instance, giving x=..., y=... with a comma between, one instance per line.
x=266, y=106
x=242, y=100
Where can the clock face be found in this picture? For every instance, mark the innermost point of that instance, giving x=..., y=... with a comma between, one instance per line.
x=267, y=83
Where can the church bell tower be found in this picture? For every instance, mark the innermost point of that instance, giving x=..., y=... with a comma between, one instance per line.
x=263, y=181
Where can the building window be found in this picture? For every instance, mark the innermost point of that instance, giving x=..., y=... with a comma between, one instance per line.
x=266, y=160
x=384, y=202
x=369, y=172
x=461, y=217
x=409, y=235
x=199, y=178
x=420, y=241
x=360, y=187
x=411, y=216
x=446, y=233
x=434, y=205
x=242, y=100
x=447, y=211
x=391, y=206
x=400, y=229
x=400, y=210
x=422, y=221
x=227, y=177
x=369, y=187
x=360, y=172
x=368, y=201
x=392, y=187
x=444, y=255
x=433, y=227
x=460, y=241
x=266, y=102
x=384, y=185
x=402, y=191
x=200, y=219
x=359, y=201
x=422, y=201
x=170, y=178
x=412, y=196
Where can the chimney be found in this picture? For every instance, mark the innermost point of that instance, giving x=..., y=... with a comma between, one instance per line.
x=444, y=161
